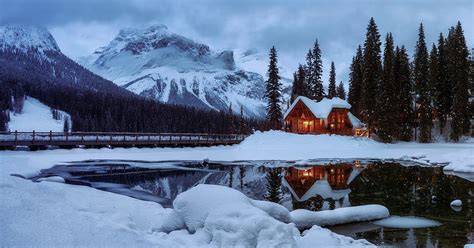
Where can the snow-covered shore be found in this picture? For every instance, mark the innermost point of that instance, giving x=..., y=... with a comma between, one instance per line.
x=54, y=214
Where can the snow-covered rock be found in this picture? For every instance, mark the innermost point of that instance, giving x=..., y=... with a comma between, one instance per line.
x=157, y=63
x=305, y=218
x=37, y=116
x=456, y=203
x=321, y=237
x=406, y=222
x=228, y=218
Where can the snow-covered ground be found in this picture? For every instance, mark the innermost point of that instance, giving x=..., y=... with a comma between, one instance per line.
x=36, y=116
x=56, y=214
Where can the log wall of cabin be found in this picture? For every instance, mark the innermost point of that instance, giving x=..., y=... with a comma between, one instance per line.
x=339, y=122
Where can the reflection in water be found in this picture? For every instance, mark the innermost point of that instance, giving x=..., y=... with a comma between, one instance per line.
x=405, y=191
x=315, y=187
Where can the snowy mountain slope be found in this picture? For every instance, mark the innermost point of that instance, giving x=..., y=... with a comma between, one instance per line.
x=23, y=38
x=159, y=64
x=36, y=116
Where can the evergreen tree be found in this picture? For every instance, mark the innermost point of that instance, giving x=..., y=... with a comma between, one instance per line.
x=332, y=82
x=372, y=67
x=273, y=185
x=341, y=92
x=66, y=127
x=422, y=89
x=403, y=89
x=458, y=61
x=387, y=99
x=299, y=88
x=316, y=91
x=309, y=81
x=443, y=89
x=273, y=92
x=356, y=83
x=433, y=75
x=294, y=87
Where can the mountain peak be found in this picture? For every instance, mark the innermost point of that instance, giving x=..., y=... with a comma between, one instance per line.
x=25, y=38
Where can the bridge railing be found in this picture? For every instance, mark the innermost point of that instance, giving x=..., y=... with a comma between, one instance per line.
x=78, y=138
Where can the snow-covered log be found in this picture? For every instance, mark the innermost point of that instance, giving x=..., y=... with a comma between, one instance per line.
x=305, y=219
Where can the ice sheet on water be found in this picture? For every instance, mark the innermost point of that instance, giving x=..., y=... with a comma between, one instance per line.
x=407, y=222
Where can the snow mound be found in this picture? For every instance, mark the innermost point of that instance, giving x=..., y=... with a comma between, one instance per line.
x=456, y=203
x=304, y=218
x=406, y=222
x=228, y=218
x=36, y=116
x=321, y=237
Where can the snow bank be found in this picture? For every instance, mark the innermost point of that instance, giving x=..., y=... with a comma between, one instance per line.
x=228, y=218
x=321, y=237
x=36, y=116
x=218, y=216
x=407, y=222
x=305, y=218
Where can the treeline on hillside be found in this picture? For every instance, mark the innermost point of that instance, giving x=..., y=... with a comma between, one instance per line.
x=397, y=98
x=98, y=105
x=102, y=112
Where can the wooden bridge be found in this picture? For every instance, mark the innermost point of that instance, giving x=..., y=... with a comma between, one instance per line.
x=40, y=140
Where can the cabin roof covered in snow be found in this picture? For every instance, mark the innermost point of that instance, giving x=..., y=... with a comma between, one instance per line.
x=323, y=108
x=320, y=109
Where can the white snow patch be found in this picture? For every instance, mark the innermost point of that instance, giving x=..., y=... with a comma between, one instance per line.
x=406, y=222
x=55, y=179
x=456, y=203
x=36, y=116
x=305, y=218
x=321, y=237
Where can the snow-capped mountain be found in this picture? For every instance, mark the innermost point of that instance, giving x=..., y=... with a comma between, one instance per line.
x=159, y=64
x=23, y=39
x=30, y=53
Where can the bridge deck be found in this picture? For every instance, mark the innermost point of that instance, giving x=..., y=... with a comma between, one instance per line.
x=39, y=139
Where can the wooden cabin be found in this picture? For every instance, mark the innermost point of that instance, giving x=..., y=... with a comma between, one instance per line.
x=328, y=116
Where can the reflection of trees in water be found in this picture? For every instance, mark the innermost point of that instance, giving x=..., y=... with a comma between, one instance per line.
x=313, y=204
x=409, y=191
x=241, y=177
x=273, y=184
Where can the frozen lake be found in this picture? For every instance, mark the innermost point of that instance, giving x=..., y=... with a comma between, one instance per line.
x=418, y=197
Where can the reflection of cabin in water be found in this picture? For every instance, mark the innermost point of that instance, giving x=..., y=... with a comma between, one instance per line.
x=327, y=181
x=326, y=116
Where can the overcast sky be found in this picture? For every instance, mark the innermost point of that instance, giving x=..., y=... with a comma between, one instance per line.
x=292, y=26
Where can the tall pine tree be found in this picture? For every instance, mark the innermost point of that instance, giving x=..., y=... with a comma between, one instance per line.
x=332, y=82
x=402, y=80
x=423, y=102
x=459, y=64
x=341, y=92
x=273, y=92
x=316, y=91
x=443, y=95
x=433, y=75
x=387, y=99
x=356, y=83
x=372, y=68
x=299, y=88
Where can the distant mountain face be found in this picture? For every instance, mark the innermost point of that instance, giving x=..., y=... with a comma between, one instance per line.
x=30, y=53
x=20, y=38
x=156, y=63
